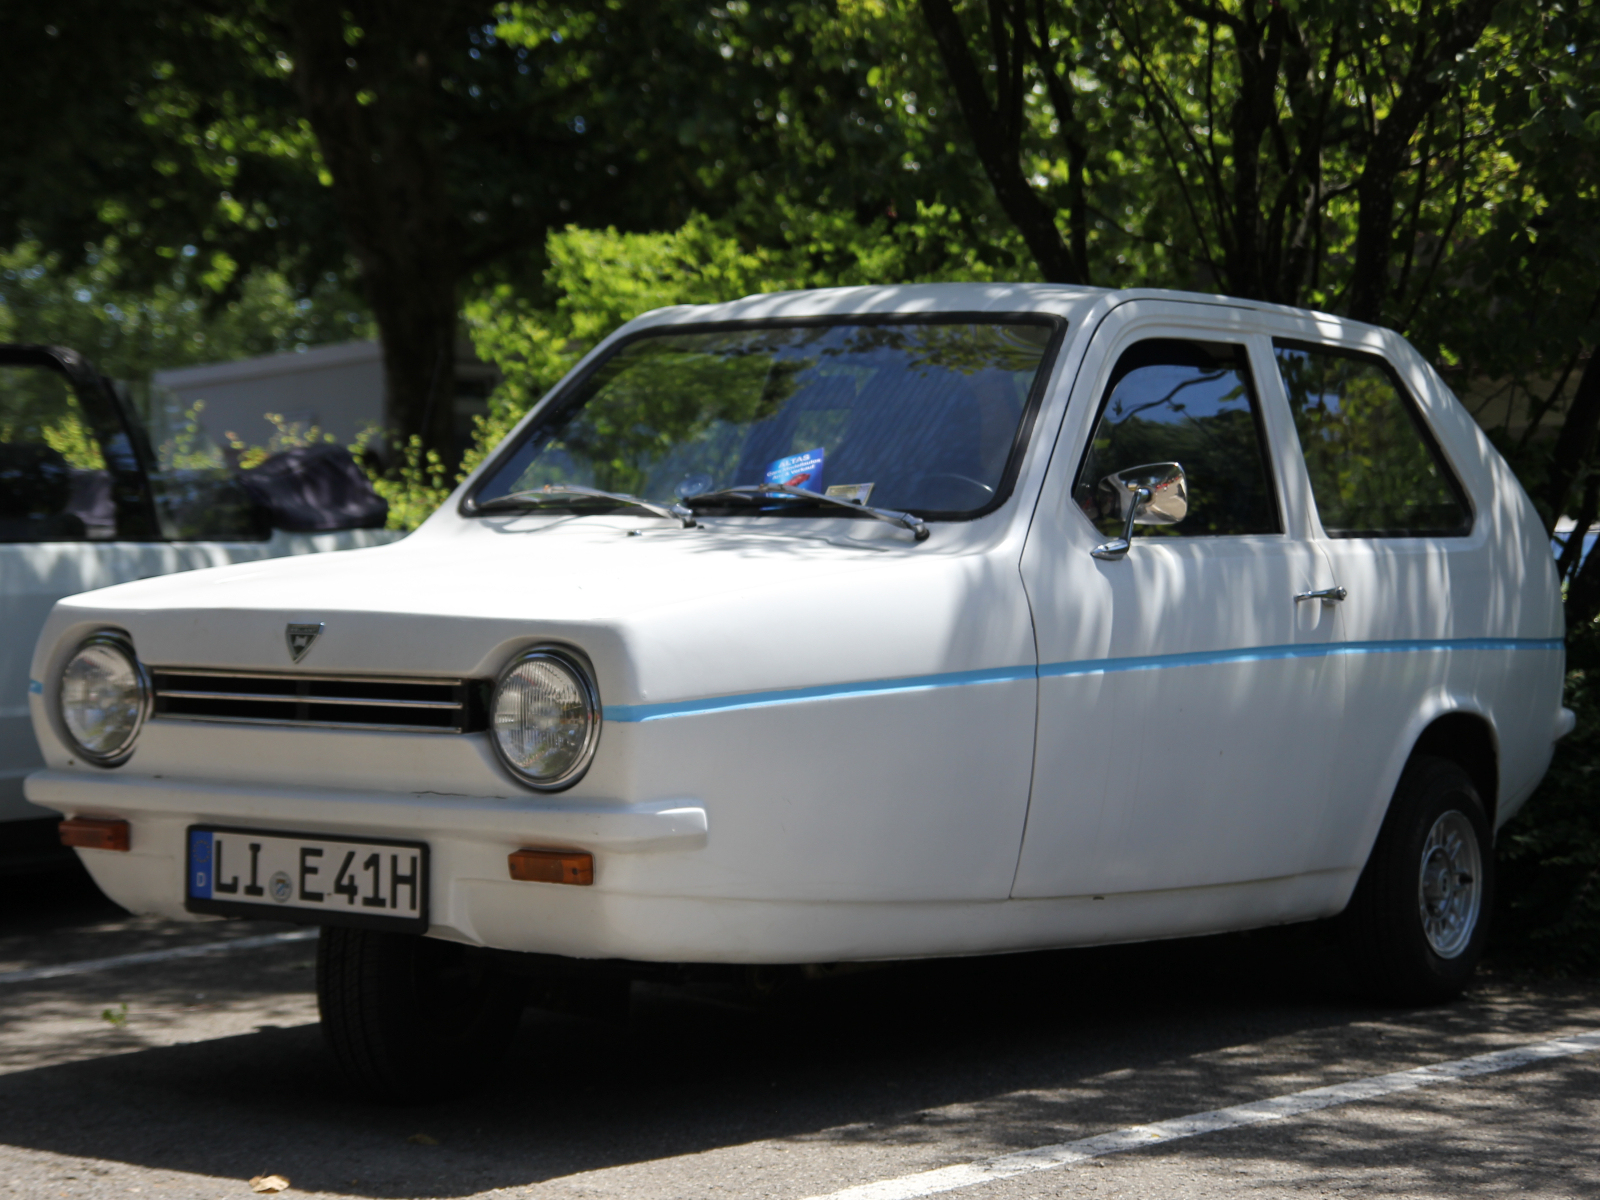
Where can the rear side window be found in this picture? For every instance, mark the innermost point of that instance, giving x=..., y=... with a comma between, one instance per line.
x=1192, y=403
x=1375, y=469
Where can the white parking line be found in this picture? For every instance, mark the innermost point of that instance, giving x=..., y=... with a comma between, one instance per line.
x=1066, y=1154
x=85, y=966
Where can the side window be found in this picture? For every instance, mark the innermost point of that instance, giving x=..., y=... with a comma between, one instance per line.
x=197, y=494
x=1375, y=471
x=1192, y=403
x=54, y=485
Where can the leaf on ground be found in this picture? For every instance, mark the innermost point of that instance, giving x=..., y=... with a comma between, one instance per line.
x=422, y=1139
x=269, y=1183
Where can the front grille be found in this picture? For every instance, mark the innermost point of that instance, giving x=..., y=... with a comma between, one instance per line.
x=320, y=701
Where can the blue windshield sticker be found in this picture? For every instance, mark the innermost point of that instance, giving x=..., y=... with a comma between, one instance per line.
x=798, y=470
x=200, y=863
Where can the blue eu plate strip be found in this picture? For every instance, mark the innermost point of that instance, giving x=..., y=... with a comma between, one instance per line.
x=200, y=864
x=633, y=713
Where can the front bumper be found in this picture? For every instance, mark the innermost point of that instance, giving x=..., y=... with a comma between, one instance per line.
x=469, y=838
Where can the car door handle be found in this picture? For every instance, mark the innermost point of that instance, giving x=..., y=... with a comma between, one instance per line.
x=1327, y=595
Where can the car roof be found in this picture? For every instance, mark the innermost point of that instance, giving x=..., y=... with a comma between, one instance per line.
x=1065, y=300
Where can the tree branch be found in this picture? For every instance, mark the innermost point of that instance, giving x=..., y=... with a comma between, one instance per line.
x=1033, y=218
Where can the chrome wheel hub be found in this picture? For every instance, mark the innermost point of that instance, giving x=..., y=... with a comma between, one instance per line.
x=1450, y=885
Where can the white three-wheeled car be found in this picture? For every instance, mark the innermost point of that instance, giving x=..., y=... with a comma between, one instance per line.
x=844, y=625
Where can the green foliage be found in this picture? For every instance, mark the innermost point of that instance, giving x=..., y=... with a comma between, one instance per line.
x=1549, y=854
x=37, y=406
x=129, y=329
x=602, y=278
x=286, y=435
x=598, y=279
x=415, y=486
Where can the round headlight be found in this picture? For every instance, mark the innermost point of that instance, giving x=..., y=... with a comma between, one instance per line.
x=105, y=696
x=545, y=719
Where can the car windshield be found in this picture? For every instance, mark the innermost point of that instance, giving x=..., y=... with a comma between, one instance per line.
x=924, y=417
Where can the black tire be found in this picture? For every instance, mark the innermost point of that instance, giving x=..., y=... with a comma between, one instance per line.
x=1406, y=910
x=410, y=1019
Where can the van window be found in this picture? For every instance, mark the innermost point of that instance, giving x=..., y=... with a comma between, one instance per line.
x=1192, y=403
x=198, y=496
x=1375, y=470
x=54, y=485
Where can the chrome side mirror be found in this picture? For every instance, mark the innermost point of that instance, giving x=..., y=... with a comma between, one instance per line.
x=1154, y=494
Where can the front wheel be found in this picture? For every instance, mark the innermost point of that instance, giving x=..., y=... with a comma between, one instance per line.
x=410, y=1018
x=1416, y=926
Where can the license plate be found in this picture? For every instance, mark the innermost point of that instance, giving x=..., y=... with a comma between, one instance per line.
x=375, y=883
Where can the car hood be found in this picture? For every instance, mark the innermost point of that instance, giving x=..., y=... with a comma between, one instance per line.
x=662, y=613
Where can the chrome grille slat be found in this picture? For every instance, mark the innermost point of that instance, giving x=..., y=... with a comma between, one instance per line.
x=268, y=697
x=285, y=677
x=201, y=720
x=409, y=704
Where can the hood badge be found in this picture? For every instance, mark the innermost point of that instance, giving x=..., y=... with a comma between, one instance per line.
x=301, y=638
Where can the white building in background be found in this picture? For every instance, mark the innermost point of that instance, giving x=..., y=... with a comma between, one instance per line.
x=337, y=388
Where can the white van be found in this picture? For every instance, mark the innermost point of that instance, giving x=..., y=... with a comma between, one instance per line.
x=87, y=500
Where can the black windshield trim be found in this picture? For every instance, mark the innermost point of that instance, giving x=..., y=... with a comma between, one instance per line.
x=558, y=401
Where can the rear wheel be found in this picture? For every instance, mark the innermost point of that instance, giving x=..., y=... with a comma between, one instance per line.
x=410, y=1018
x=1416, y=926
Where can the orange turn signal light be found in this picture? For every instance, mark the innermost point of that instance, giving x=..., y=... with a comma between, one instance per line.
x=93, y=833
x=553, y=866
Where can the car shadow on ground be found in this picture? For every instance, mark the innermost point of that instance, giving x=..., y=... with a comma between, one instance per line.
x=980, y=1055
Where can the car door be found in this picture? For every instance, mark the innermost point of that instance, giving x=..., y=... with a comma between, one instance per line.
x=1397, y=525
x=1188, y=702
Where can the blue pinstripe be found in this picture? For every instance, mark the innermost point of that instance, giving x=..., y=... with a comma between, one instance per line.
x=631, y=713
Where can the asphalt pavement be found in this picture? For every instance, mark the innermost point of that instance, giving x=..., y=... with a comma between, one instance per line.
x=189, y=1076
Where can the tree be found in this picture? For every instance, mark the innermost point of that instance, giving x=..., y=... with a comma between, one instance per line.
x=1291, y=153
x=134, y=131
x=1424, y=166
x=423, y=152
x=1022, y=50
x=369, y=81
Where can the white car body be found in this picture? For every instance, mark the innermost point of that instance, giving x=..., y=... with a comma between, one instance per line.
x=823, y=741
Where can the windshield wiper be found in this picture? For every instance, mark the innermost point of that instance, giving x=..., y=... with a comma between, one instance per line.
x=554, y=491
x=905, y=520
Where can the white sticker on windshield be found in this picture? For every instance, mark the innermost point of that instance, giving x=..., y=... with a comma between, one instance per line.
x=856, y=493
x=798, y=470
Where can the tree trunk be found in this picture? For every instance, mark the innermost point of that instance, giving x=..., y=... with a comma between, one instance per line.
x=1389, y=153
x=996, y=132
x=1575, y=442
x=371, y=104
